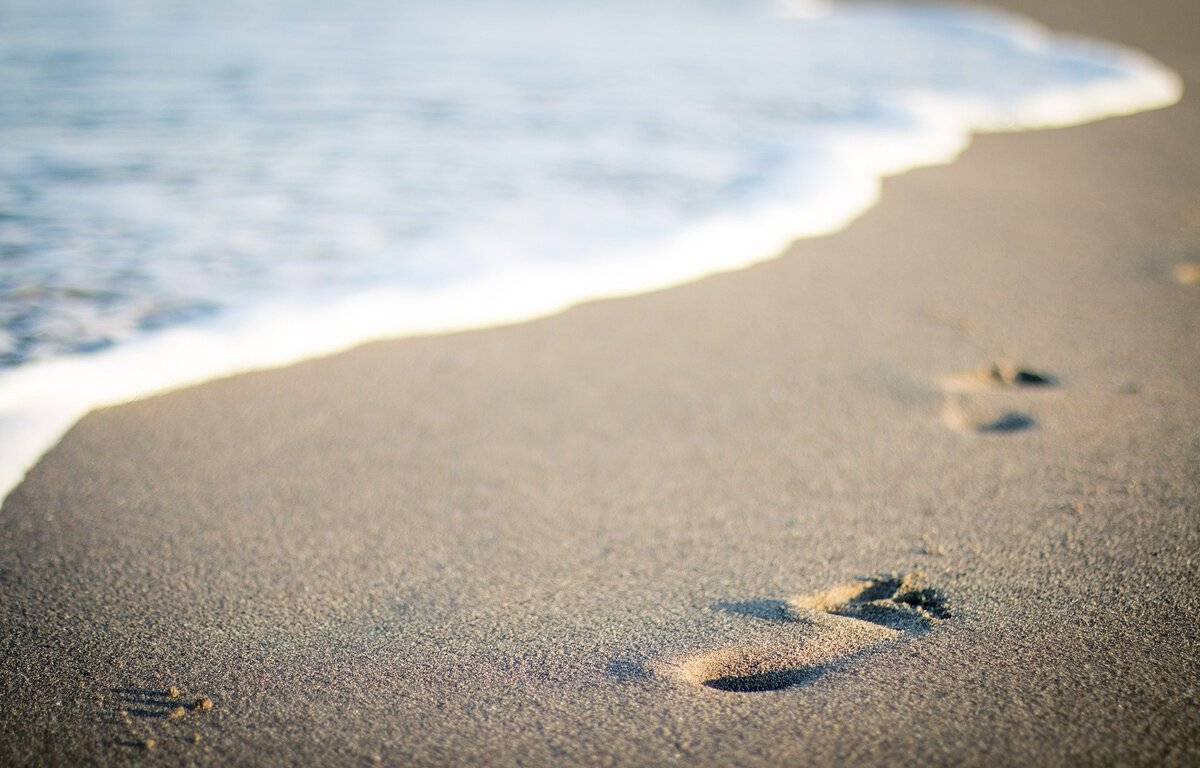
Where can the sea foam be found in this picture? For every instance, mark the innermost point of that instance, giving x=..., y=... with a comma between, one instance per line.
x=188, y=194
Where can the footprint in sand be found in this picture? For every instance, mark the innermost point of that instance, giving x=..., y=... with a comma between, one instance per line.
x=810, y=635
x=980, y=401
x=150, y=717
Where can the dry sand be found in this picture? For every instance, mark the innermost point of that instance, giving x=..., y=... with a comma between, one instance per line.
x=534, y=545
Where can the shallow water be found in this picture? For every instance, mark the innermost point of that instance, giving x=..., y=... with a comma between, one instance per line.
x=188, y=189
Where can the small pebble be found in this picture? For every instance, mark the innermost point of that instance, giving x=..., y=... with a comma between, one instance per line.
x=177, y=714
x=204, y=704
x=174, y=692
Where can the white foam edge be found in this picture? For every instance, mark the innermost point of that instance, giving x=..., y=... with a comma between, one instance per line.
x=41, y=401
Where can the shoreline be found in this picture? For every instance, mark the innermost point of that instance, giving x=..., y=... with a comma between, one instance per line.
x=40, y=400
x=482, y=548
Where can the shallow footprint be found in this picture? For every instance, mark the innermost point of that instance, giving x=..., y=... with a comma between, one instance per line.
x=904, y=602
x=819, y=632
x=980, y=401
x=997, y=375
x=983, y=418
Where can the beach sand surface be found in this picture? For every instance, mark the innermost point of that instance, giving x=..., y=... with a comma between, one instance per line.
x=598, y=537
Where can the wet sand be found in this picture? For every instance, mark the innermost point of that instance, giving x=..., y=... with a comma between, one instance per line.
x=608, y=536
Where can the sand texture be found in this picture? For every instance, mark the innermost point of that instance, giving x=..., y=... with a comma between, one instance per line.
x=806, y=513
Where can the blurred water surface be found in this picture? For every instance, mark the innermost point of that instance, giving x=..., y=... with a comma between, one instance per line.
x=166, y=163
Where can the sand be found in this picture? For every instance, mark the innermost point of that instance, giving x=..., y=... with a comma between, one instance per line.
x=535, y=545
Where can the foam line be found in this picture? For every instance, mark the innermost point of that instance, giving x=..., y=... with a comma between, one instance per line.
x=41, y=400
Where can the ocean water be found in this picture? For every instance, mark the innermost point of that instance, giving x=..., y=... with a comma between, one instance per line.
x=193, y=189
